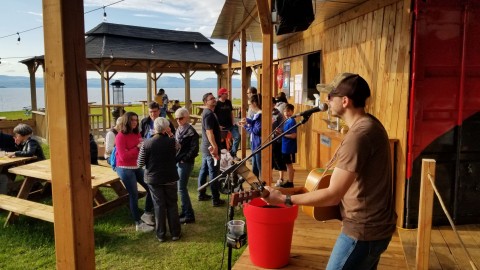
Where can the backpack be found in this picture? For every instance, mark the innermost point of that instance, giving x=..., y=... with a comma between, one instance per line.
x=113, y=158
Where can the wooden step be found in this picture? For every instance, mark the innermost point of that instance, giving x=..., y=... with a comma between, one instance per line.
x=27, y=208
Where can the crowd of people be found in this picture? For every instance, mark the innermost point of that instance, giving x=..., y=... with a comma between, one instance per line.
x=165, y=176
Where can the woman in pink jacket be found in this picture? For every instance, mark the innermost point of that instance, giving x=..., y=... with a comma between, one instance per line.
x=127, y=143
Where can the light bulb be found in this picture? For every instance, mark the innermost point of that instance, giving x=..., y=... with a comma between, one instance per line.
x=152, y=51
x=104, y=14
x=195, y=45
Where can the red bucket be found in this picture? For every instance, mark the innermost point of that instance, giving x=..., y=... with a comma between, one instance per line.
x=269, y=233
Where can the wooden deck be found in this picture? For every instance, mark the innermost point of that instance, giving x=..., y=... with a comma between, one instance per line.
x=313, y=241
x=445, y=249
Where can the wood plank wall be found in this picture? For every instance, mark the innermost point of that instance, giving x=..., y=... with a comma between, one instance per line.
x=373, y=40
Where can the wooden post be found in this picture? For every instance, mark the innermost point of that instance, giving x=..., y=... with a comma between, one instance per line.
x=229, y=69
x=188, y=104
x=425, y=214
x=149, y=82
x=267, y=62
x=245, y=85
x=32, y=69
x=64, y=37
x=105, y=110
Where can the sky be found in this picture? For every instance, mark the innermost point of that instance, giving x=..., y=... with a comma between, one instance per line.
x=184, y=15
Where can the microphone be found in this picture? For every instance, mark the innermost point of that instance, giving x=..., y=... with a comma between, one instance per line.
x=321, y=108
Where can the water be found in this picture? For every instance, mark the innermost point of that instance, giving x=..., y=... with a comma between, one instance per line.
x=14, y=99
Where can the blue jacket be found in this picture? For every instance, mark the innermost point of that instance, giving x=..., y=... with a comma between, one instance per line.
x=254, y=127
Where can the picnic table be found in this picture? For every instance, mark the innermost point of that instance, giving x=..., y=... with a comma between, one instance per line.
x=6, y=163
x=41, y=171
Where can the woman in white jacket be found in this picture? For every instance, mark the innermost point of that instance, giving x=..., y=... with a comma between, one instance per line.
x=110, y=139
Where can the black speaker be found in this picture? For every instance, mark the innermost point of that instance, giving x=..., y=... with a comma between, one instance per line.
x=293, y=16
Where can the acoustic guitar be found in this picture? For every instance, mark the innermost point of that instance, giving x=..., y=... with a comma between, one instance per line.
x=315, y=181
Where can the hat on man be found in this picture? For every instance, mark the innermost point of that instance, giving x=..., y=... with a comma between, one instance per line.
x=222, y=91
x=350, y=85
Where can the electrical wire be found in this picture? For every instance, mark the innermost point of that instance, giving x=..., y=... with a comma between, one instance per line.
x=41, y=26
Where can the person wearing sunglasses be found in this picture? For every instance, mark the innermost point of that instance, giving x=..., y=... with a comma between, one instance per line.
x=187, y=137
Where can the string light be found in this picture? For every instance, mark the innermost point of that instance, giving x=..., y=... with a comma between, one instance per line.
x=195, y=45
x=104, y=14
x=111, y=54
x=152, y=51
x=18, y=39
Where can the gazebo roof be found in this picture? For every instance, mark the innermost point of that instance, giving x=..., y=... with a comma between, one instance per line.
x=127, y=48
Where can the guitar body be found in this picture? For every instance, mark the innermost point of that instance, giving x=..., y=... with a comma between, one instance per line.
x=316, y=181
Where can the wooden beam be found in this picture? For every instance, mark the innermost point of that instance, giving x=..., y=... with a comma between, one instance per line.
x=64, y=37
x=265, y=15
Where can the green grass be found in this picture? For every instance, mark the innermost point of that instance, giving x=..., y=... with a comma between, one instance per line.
x=29, y=243
x=15, y=115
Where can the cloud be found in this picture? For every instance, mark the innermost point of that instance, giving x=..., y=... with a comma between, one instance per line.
x=145, y=15
x=35, y=13
x=201, y=13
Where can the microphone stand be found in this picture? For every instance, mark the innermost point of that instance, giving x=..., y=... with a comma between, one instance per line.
x=259, y=186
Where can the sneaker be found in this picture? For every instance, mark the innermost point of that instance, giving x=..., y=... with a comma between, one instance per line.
x=218, y=202
x=176, y=238
x=148, y=218
x=161, y=239
x=287, y=184
x=184, y=220
x=279, y=183
x=236, y=159
x=142, y=227
x=204, y=197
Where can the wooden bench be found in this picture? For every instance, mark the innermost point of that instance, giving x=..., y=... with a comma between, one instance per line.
x=27, y=208
x=194, y=118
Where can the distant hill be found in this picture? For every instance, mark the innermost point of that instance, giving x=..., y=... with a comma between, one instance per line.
x=164, y=81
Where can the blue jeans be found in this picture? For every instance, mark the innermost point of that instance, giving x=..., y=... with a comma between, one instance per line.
x=236, y=140
x=130, y=177
x=349, y=253
x=163, y=112
x=207, y=167
x=257, y=164
x=184, y=170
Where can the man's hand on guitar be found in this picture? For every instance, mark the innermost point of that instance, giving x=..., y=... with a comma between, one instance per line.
x=275, y=197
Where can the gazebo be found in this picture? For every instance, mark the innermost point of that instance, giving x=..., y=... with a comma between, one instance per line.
x=112, y=48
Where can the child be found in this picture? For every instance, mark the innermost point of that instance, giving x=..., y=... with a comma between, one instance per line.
x=24, y=141
x=289, y=145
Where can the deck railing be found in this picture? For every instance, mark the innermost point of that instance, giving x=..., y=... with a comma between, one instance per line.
x=427, y=189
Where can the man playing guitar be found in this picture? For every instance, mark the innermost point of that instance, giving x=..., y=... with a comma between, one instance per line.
x=360, y=182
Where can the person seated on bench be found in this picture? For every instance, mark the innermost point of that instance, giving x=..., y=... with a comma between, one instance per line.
x=7, y=143
x=30, y=147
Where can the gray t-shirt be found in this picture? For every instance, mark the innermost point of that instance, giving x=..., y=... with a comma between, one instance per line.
x=210, y=122
x=368, y=207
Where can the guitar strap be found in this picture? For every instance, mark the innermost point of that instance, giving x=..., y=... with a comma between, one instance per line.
x=330, y=163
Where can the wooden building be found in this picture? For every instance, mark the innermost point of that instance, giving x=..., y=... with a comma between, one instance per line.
x=421, y=62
